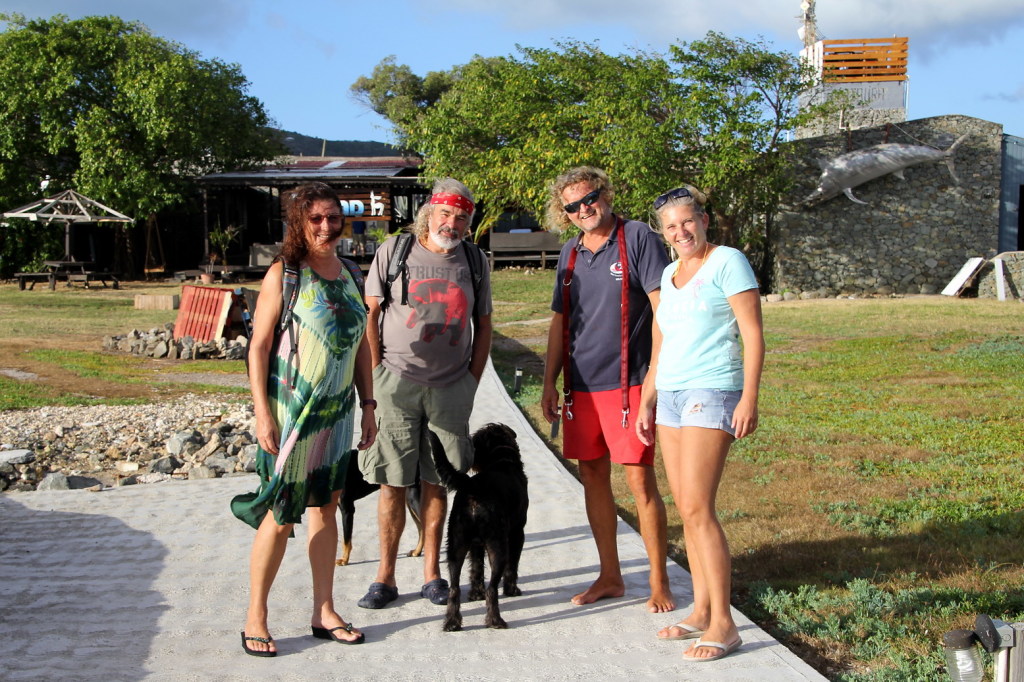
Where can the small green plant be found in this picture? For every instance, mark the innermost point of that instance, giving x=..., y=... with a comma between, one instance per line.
x=221, y=239
x=378, y=234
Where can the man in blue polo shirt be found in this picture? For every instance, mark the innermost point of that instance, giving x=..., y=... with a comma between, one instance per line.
x=600, y=335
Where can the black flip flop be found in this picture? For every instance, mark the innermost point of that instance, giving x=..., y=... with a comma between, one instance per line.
x=324, y=633
x=255, y=652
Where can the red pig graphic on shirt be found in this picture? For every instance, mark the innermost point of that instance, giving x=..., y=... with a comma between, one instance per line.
x=441, y=306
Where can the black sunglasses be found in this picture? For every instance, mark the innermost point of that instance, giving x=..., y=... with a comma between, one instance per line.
x=585, y=201
x=677, y=193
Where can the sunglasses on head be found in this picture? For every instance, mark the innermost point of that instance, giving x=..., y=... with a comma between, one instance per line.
x=677, y=193
x=585, y=201
x=332, y=218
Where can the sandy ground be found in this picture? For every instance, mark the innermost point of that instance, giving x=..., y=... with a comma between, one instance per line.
x=150, y=583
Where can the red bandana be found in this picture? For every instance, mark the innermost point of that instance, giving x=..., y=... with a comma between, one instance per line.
x=450, y=199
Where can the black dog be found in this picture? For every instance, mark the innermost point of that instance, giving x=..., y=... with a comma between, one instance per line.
x=356, y=488
x=488, y=513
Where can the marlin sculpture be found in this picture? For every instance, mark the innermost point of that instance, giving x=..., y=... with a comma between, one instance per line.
x=843, y=173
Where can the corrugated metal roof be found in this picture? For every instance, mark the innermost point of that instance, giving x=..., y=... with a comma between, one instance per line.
x=299, y=169
x=275, y=177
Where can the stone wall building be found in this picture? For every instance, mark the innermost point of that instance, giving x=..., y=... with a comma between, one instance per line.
x=913, y=236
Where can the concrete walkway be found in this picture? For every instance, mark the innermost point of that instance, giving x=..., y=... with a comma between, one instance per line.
x=150, y=582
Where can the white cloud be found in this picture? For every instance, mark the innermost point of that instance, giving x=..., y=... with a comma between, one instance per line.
x=933, y=25
x=1011, y=97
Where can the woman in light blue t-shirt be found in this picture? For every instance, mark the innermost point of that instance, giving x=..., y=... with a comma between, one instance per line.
x=705, y=386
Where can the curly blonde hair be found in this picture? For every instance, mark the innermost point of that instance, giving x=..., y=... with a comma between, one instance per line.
x=595, y=177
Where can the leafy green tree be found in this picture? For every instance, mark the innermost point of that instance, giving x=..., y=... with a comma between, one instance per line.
x=396, y=93
x=130, y=119
x=713, y=114
x=508, y=125
x=742, y=98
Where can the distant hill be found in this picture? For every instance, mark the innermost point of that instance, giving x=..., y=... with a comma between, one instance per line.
x=304, y=145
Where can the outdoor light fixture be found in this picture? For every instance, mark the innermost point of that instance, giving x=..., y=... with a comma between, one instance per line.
x=963, y=660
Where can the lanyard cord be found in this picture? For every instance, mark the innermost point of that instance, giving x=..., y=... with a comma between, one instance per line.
x=624, y=327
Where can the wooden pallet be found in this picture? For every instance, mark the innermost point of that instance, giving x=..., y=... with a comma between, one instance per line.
x=203, y=313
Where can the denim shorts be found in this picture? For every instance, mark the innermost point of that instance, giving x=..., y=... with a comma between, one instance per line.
x=707, y=408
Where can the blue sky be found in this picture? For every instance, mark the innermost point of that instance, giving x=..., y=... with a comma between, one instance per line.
x=965, y=57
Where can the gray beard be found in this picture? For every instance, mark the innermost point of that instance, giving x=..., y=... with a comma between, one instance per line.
x=444, y=242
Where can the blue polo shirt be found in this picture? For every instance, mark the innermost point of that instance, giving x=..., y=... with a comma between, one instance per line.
x=595, y=325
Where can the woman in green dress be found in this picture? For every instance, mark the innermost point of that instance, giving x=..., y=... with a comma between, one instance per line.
x=304, y=397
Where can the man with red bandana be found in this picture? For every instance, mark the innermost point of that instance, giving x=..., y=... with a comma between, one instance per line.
x=426, y=368
x=607, y=287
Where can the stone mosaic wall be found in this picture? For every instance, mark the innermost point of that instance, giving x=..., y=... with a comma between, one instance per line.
x=913, y=236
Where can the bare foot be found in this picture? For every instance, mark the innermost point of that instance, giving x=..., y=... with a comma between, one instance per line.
x=600, y=590
x=681, y=630
x=661, y=601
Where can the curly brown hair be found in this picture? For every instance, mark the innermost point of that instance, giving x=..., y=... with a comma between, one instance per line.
x=297, y=202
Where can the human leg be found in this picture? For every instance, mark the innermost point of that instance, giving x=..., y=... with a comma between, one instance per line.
x=595, y=474
x=694, y=623
x=446, y=411
x=265, y=559
x=653, y=529
x=699, y=470
x=323, y=540
x=433, y=507
x=391, y=524
x=391, y=463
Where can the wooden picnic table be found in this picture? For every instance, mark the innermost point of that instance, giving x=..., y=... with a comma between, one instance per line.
x=78, y=271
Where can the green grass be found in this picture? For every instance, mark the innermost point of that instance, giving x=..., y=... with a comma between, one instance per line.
x=879, y=504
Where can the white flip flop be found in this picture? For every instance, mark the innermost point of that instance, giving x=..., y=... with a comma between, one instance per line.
x=726, y=650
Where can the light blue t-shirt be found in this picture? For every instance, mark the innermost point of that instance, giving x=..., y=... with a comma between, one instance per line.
x=700, y=345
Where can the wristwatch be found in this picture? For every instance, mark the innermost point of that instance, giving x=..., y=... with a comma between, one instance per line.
x=368, y=402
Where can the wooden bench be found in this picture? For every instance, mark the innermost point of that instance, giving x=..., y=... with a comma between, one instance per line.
x=33, y=277
x=524, y=246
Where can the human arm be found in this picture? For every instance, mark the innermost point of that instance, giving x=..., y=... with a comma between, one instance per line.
x=552, y=368
x=482, y=332
x=364, y=384
x=645, y=427
x=268, y=311
x=746, y=306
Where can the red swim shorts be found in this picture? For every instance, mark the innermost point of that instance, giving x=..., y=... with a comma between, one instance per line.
x=596, y=428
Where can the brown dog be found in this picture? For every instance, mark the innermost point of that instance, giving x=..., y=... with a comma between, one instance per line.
x=356, y=488
x=488, y=514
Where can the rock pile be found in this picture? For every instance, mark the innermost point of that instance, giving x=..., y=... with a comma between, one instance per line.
x=159, y=343
x=81, y=447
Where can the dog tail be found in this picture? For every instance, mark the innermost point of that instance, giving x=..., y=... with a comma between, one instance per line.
x=450, y=477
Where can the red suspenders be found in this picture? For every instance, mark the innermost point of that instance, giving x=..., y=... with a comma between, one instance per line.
x=624, y=332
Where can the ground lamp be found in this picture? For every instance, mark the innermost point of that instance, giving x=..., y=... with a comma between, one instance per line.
x=963, y=660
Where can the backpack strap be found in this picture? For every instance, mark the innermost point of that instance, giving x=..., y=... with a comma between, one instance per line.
x=289, y=295
x=475, y=257
x=357, y=276
x=396, y=267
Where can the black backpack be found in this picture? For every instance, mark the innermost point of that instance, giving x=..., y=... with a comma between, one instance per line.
x=397, y=266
